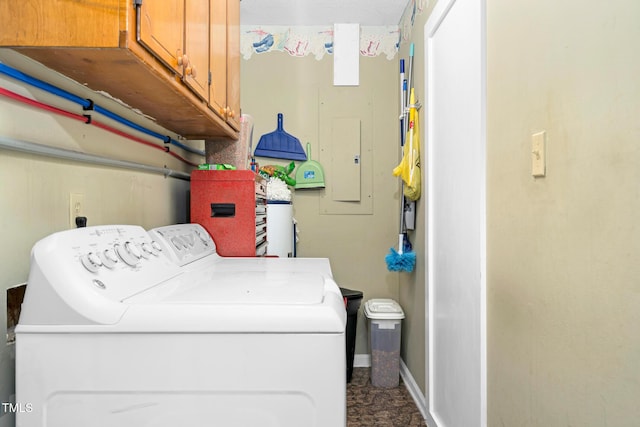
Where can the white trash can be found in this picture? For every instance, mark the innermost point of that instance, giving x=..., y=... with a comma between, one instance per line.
x=385, y=317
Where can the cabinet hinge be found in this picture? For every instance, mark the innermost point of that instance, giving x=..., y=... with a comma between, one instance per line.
x=137, y=2
x=210, y=78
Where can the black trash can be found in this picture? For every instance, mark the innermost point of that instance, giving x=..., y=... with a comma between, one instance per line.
x=352, y=301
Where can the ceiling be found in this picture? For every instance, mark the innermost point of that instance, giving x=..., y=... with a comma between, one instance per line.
x=321, y=12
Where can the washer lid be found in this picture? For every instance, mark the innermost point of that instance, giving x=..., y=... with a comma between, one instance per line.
x=238, y=288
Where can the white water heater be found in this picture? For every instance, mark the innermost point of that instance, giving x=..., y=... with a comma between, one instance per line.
x=280, y=229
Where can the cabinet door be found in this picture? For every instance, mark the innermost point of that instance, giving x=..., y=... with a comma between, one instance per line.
x=161, y=25
x=233, y=63
x=62, y=24
x=218, y=89
x=196, y=59
x=225, y=60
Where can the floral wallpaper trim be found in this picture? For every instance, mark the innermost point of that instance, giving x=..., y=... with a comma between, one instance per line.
x=414, y=8
x=316, y=41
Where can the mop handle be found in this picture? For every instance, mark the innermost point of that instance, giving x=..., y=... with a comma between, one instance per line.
x=410, y=77
x=402, y=97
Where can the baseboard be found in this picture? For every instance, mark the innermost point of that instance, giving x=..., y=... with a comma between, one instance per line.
x=414, y=389
x=364, y=361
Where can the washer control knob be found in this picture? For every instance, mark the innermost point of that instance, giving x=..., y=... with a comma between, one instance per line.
x=133, y=249
x=126, y=255
x=91, y=262
x=147, y=248
x=143, y=253
x=156, y=246
x=108, y=257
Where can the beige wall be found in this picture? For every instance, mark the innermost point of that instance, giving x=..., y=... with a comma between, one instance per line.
x=356, y=244
x=563, y=295
x=563, y=251
x=413, y=286
x=34, y=190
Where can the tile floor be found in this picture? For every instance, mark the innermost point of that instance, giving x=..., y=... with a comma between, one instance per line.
x=368, y=406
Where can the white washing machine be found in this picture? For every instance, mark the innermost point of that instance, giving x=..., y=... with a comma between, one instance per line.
x=117, y=329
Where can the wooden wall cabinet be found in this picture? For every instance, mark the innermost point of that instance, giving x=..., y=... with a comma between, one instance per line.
x=225, y=60
x=156, y=56
x=195, y=63
x=166, y=41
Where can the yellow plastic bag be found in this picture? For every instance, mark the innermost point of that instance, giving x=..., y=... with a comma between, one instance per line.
x=409, y=168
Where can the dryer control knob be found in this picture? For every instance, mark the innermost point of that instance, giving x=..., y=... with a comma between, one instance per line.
x=185, y=241
x=202, y=238
x=177, y=243
x=189, y=239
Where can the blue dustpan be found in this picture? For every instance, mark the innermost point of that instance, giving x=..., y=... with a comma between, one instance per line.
x=280, y=145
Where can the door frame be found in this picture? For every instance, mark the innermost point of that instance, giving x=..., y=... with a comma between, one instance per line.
x=476, y=36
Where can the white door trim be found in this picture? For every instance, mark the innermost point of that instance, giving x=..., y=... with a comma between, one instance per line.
x=476, y=36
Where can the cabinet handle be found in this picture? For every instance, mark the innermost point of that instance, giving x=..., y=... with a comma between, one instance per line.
x=191, y=71
x=183, y=60
x=227, y=112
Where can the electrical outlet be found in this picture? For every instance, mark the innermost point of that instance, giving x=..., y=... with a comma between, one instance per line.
x=76, y=208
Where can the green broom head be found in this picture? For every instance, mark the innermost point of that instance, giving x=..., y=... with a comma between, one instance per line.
x=396, y=261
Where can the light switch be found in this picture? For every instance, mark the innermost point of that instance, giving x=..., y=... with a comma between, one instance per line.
x=538, y=161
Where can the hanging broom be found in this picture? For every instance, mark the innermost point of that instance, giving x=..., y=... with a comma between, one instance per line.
x=404, y=259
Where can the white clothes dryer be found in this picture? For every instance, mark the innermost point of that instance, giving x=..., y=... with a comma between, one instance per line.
x=116, y=331
x=191, y=246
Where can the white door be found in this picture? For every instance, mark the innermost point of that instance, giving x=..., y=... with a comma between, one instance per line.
x=455, y=64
